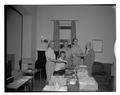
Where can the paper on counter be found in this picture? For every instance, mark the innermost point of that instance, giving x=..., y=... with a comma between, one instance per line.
x=64, y=88
x=58, y=79
x=87, y=80
x=53, y=88
x=73, y=81
x=88, y=84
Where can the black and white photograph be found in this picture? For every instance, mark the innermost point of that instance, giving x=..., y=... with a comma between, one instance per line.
x=60, y=48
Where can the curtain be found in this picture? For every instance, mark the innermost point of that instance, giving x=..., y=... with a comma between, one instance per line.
x=56, y=34
x=73, y=30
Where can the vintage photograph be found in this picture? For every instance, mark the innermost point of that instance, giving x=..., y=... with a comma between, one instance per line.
x=60, y=48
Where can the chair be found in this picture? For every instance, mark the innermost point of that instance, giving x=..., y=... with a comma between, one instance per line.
x=102, y=74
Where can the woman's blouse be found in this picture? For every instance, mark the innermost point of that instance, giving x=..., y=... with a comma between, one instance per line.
x=50, y=54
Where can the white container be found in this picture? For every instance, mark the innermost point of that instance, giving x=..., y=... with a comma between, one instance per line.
x=73, y=81
x=53, y=88
x=88, y=84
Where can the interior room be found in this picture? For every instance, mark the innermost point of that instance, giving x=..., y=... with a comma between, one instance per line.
x=29, y=32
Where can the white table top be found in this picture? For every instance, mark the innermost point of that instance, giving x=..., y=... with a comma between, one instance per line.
x=19, y=82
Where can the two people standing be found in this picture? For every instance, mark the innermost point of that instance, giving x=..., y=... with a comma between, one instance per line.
x=89, y=55
x=53, y=65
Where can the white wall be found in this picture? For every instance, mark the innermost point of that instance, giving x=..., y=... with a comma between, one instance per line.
x=95, y=22
x=33, y=42
x=14, y=29
x=27, y=30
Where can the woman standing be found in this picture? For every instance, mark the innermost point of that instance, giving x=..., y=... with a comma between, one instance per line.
x=50, y=56
x=89, y=57
x=76, y=52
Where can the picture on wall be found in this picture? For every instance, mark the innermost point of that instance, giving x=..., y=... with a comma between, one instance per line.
x=97, y=45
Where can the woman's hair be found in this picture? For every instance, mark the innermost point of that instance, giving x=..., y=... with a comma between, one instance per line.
x=88, y=44
x=49, y=44
x=62, y=52
x=74, y=40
